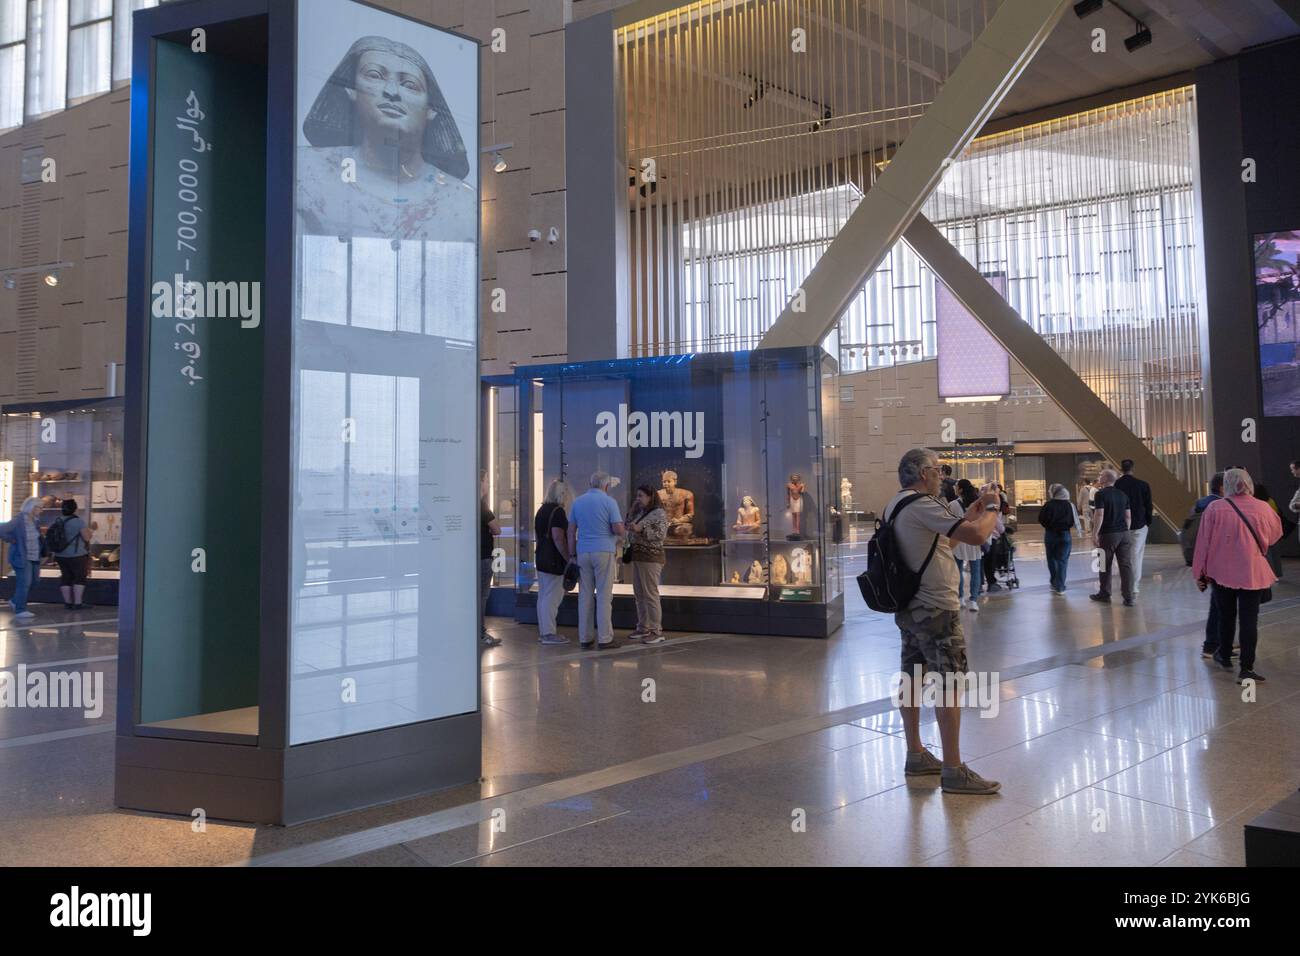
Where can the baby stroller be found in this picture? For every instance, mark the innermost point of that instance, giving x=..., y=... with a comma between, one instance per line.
x=1002, y=556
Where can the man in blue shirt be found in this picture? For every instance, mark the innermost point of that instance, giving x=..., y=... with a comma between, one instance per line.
x=595, y=527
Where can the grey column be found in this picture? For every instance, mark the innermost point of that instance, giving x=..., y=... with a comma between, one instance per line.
x=1229, y=358
x=597, y=176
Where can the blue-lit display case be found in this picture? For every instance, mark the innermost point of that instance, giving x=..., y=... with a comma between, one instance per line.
x=743, y=451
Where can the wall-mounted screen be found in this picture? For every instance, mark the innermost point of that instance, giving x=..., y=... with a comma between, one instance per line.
x=1277, y=295
x=386, y=502
x=972, y=365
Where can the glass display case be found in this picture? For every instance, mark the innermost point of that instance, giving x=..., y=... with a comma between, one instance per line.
x=61, y=450
x=742, y=451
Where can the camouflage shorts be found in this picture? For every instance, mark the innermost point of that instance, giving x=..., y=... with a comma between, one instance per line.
x=933, y=638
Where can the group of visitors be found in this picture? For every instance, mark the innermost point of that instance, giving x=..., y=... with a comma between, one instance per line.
x=976, y=562
x=1115, y=514
x=67, y=540
x=580, y=542
x=939, y=542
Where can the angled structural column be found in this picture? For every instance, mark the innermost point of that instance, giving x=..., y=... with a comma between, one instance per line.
x=1053, y=374
x=969, y=98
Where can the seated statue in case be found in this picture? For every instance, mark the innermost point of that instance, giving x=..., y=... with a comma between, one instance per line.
x=749, y=519
x=780, y=570
x=679, y=506
x=756, y=574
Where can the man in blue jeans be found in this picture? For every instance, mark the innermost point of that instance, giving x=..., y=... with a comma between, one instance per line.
x=25, y=544
x=595, y=527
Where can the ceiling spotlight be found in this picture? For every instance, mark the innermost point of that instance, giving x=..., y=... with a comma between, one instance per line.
x=1139, y=39
x=500, y=165
x=1086, y=7
x=10, y=283
x=51, y=279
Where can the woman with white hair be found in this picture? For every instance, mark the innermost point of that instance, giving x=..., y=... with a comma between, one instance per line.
x=1232, y=555
x=1059, y=520
x=26, y=547
x=551, y=530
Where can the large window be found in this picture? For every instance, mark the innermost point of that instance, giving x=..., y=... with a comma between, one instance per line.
x=57, y=53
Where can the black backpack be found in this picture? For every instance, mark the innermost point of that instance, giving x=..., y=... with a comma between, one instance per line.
x=56, y=538
x=888, y=585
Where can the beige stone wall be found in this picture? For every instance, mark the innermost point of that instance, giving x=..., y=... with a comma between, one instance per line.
x=56, y=344
x=876, y=431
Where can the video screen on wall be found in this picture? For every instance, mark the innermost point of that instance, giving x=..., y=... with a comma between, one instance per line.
x=386, y=490
x=1277, y=295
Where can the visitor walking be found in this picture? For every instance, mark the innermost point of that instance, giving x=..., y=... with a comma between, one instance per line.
x=489, y=529
x=551, y=532
x=26, y=548
x=1231, y=556
x=930, y=626
x=1110, y=523
x=1139, y=503
x=647, y=527
x=595, y=527
x=1084, y=500
x=1059, y=520
x=74, y=557
x=997, y=546
x=969, y=557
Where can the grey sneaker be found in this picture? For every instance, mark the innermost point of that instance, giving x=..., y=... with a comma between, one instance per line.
x=965, y=780
x=553, y=640
x=487, y=640
x=653, y=639
x=923, y=764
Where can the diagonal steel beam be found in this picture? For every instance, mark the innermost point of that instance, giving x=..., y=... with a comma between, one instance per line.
x=988, y=70
x=1053, y=374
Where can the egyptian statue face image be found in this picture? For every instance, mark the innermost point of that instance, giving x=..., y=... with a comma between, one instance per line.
x=391, y=111
x=387, y=159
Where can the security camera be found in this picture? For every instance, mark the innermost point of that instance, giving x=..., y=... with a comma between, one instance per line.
x=534, y=235
x=553, y=235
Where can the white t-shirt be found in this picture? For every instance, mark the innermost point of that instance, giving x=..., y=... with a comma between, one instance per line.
x=916, y=528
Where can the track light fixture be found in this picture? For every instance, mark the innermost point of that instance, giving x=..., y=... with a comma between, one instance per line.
x=496, y=153
x=1086, y=8
x=1140, y=38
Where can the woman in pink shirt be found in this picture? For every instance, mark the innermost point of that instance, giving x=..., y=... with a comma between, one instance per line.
x=1231, y=553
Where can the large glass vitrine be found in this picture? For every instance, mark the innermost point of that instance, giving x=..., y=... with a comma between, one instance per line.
x=742, y=452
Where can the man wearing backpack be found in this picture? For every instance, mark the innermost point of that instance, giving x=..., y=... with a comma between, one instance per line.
x=930, y=623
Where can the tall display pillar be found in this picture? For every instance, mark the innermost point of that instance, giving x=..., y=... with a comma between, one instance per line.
x=300, y=543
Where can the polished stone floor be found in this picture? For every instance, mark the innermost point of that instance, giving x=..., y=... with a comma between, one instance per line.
x=1115, y=742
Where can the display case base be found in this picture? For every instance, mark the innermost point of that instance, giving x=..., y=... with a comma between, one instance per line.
x=248, y=784
x=100, y=592
x=722, y=615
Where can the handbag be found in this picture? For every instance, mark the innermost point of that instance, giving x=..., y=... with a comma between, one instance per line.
x=571, y=575
x=1267, y=594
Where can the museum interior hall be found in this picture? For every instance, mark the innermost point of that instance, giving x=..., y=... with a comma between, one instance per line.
x=562, y=432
